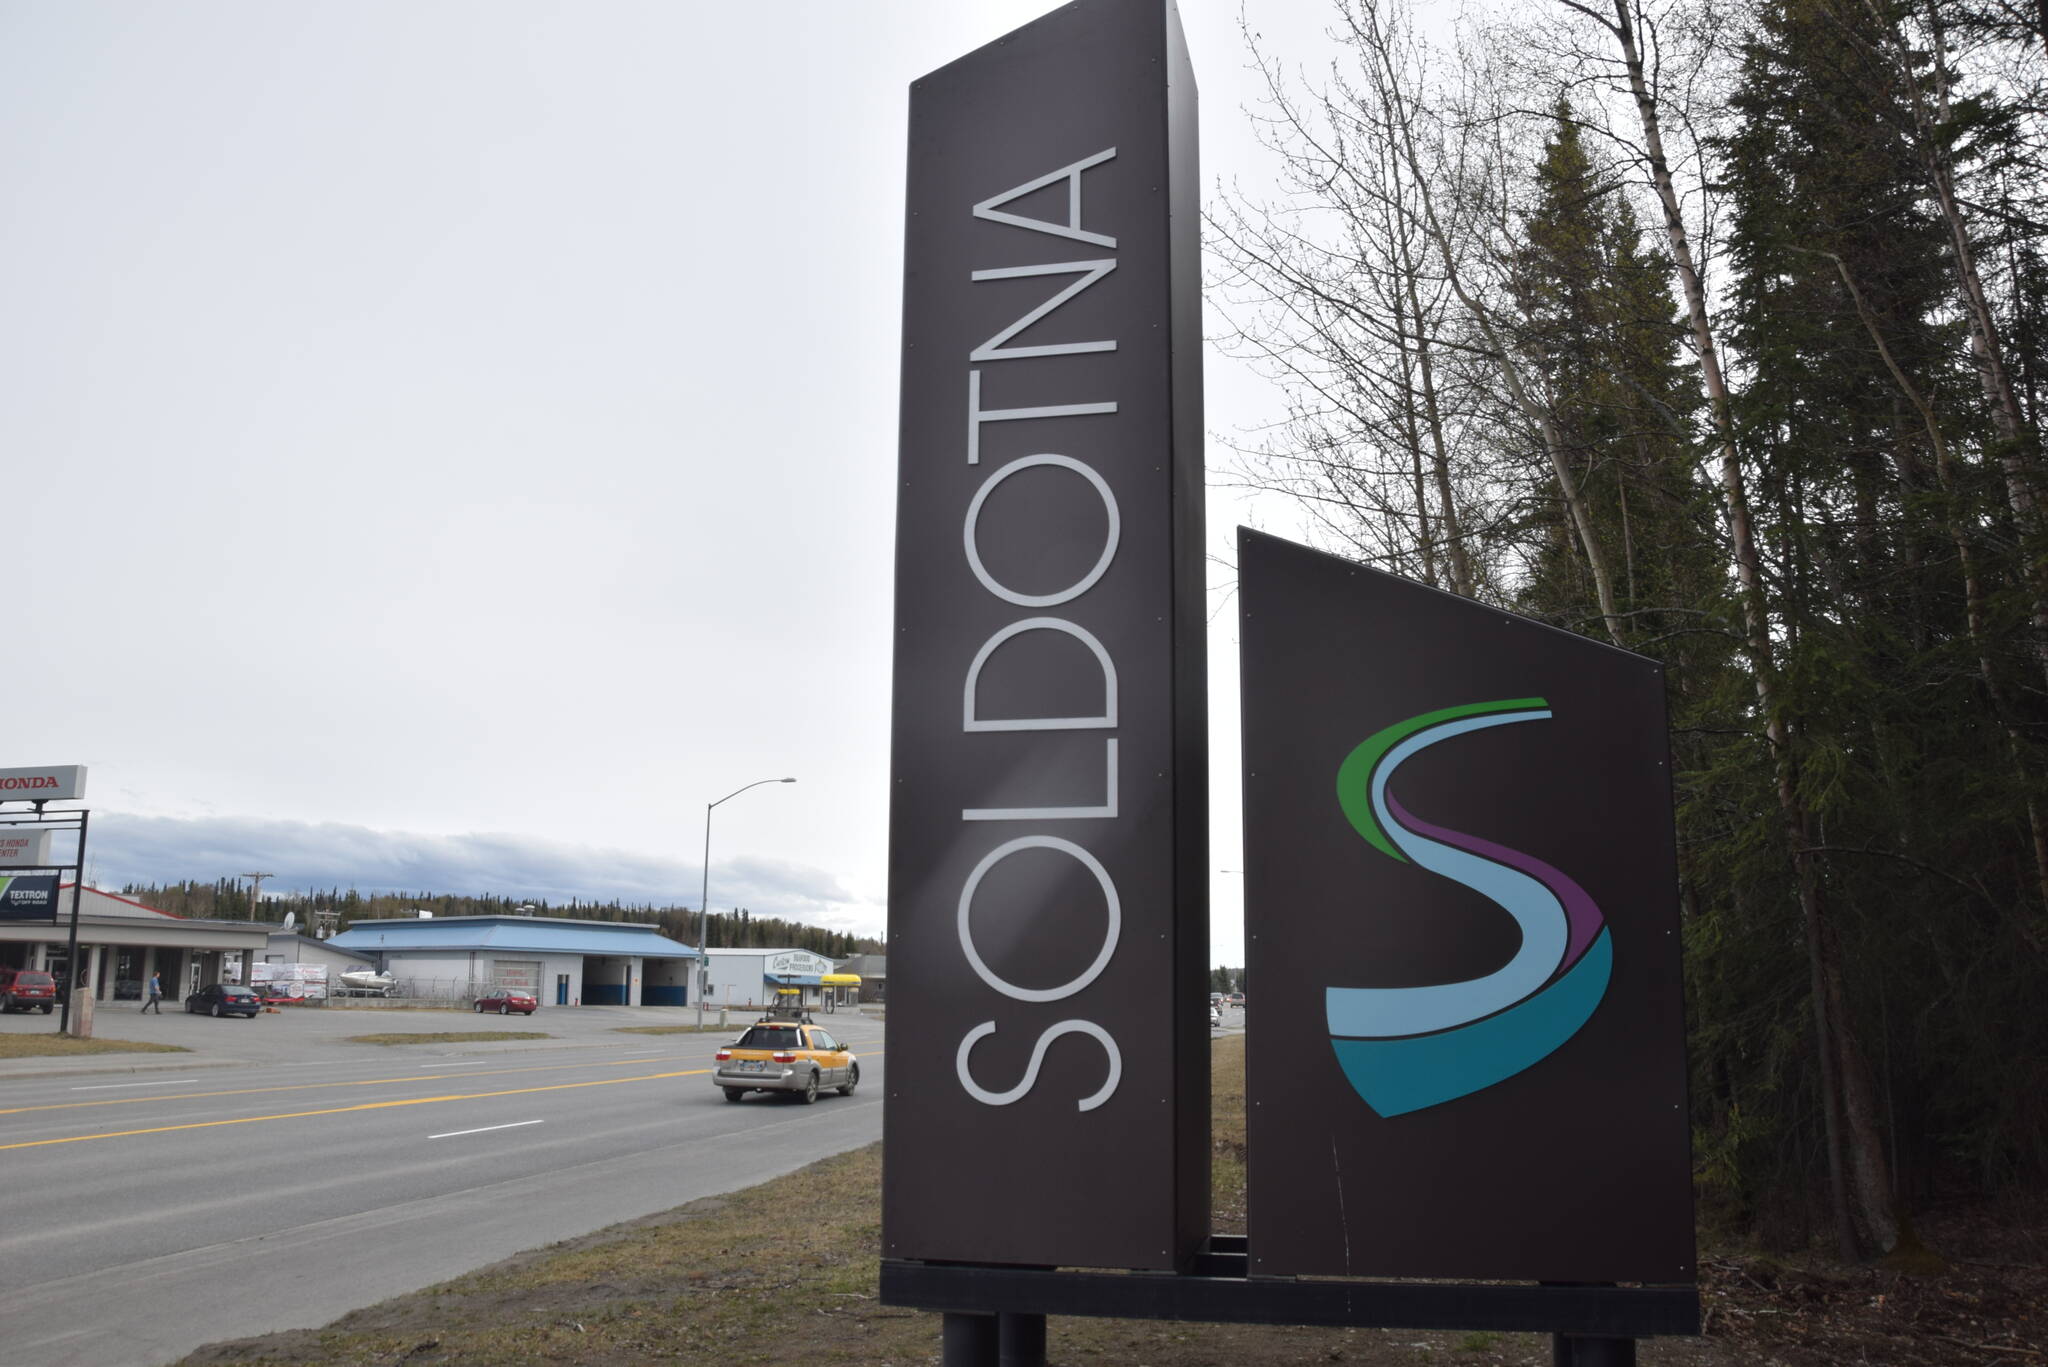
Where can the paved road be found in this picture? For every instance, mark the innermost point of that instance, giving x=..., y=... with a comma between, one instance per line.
x=280, y=1177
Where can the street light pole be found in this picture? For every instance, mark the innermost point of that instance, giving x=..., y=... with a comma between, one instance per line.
x=704, y=894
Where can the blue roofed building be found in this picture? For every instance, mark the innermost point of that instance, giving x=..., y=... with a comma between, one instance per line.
x=562, y=962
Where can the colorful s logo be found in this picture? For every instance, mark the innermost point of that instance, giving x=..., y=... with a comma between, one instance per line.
x=1407, y=1048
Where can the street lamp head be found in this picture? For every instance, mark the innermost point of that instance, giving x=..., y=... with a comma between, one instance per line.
x=786, y=780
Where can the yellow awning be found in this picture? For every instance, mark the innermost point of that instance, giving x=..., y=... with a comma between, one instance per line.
x=840, y=979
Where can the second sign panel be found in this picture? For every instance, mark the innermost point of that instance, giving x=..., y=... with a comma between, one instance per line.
x=1461, y=917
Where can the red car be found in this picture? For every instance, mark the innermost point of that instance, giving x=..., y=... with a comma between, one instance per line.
x=505, y=1000
x=22, y=989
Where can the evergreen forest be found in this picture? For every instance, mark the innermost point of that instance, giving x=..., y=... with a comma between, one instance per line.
x=1719, y=331
x=227, y=899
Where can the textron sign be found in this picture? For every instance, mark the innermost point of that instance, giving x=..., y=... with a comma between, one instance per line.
x=1461, y=897
x=1048, y=1098
x=28, y=898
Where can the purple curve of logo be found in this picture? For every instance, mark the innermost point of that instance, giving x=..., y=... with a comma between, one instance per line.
x=1581, y=914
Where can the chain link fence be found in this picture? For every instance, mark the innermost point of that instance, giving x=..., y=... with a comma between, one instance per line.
x=458, y=992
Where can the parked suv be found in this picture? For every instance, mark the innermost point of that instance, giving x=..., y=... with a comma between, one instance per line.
x=23, y=988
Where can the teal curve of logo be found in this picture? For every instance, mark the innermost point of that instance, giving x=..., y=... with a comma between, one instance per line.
x=1407, y=1048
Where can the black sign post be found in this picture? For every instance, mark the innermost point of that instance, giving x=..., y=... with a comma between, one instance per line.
x=34, y=896
x=1048, y=917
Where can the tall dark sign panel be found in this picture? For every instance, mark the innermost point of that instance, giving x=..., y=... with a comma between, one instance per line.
x=1047, y=1043
x=1461, y=901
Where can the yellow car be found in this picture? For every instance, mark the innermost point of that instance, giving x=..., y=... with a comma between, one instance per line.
x=785, y=1056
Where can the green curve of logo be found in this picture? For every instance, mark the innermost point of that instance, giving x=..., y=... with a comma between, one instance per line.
x=1354, y=776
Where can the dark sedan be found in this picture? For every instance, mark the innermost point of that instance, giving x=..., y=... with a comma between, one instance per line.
x=224, y=999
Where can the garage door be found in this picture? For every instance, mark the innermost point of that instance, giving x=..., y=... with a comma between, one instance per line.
x=522, y=975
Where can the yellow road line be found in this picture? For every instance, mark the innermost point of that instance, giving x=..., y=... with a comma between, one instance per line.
x=311, y=1086
x=364, y=1106
x=316, y=1086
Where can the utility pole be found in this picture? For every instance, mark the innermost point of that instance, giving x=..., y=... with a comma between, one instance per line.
x=255, y=887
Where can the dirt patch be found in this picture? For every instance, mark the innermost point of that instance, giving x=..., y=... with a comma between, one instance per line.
x=1988, y=1305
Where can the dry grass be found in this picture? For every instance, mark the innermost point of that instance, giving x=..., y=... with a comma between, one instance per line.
x=674, y=1029
x=1226, y=1135
x=54, y=1045
x=446, y=1036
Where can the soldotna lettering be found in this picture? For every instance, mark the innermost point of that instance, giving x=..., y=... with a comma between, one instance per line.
x=994, y=350
x=1051, y=1033
x=977, y=415
x=1077, y=588
x=1110, y=932
x=970, y=722
x=1001, y=347
x=1072, y=227
x=1103, y=811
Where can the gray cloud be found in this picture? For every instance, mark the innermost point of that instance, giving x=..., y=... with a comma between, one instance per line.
x=307, y=856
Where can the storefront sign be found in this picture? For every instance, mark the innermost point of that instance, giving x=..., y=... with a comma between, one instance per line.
x=1048, y=1046
x=797, y=961
x=51, y=782
x=20, y=848
x=1461, y=909
x=28, y=897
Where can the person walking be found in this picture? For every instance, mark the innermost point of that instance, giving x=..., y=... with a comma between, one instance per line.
x=155, y=999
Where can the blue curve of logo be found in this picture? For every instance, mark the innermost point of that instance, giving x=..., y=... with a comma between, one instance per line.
x=1407, y=1048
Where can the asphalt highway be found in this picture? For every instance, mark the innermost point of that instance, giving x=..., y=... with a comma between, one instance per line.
x=145, y=1213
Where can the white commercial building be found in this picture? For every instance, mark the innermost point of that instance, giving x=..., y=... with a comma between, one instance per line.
x=562, y=962
x=121, y=942
x=763, y=977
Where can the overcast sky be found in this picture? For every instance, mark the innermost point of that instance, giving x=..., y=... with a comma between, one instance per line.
x=445, y=445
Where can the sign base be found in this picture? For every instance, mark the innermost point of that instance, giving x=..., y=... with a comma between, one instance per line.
x=80, y=1025
x=1220, y=1290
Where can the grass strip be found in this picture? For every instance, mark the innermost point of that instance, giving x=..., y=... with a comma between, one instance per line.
x=446, y=1036
x=54, y=1045
x=674, y=1029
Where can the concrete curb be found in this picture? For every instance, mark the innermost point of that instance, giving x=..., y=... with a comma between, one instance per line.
x=24, y=1069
